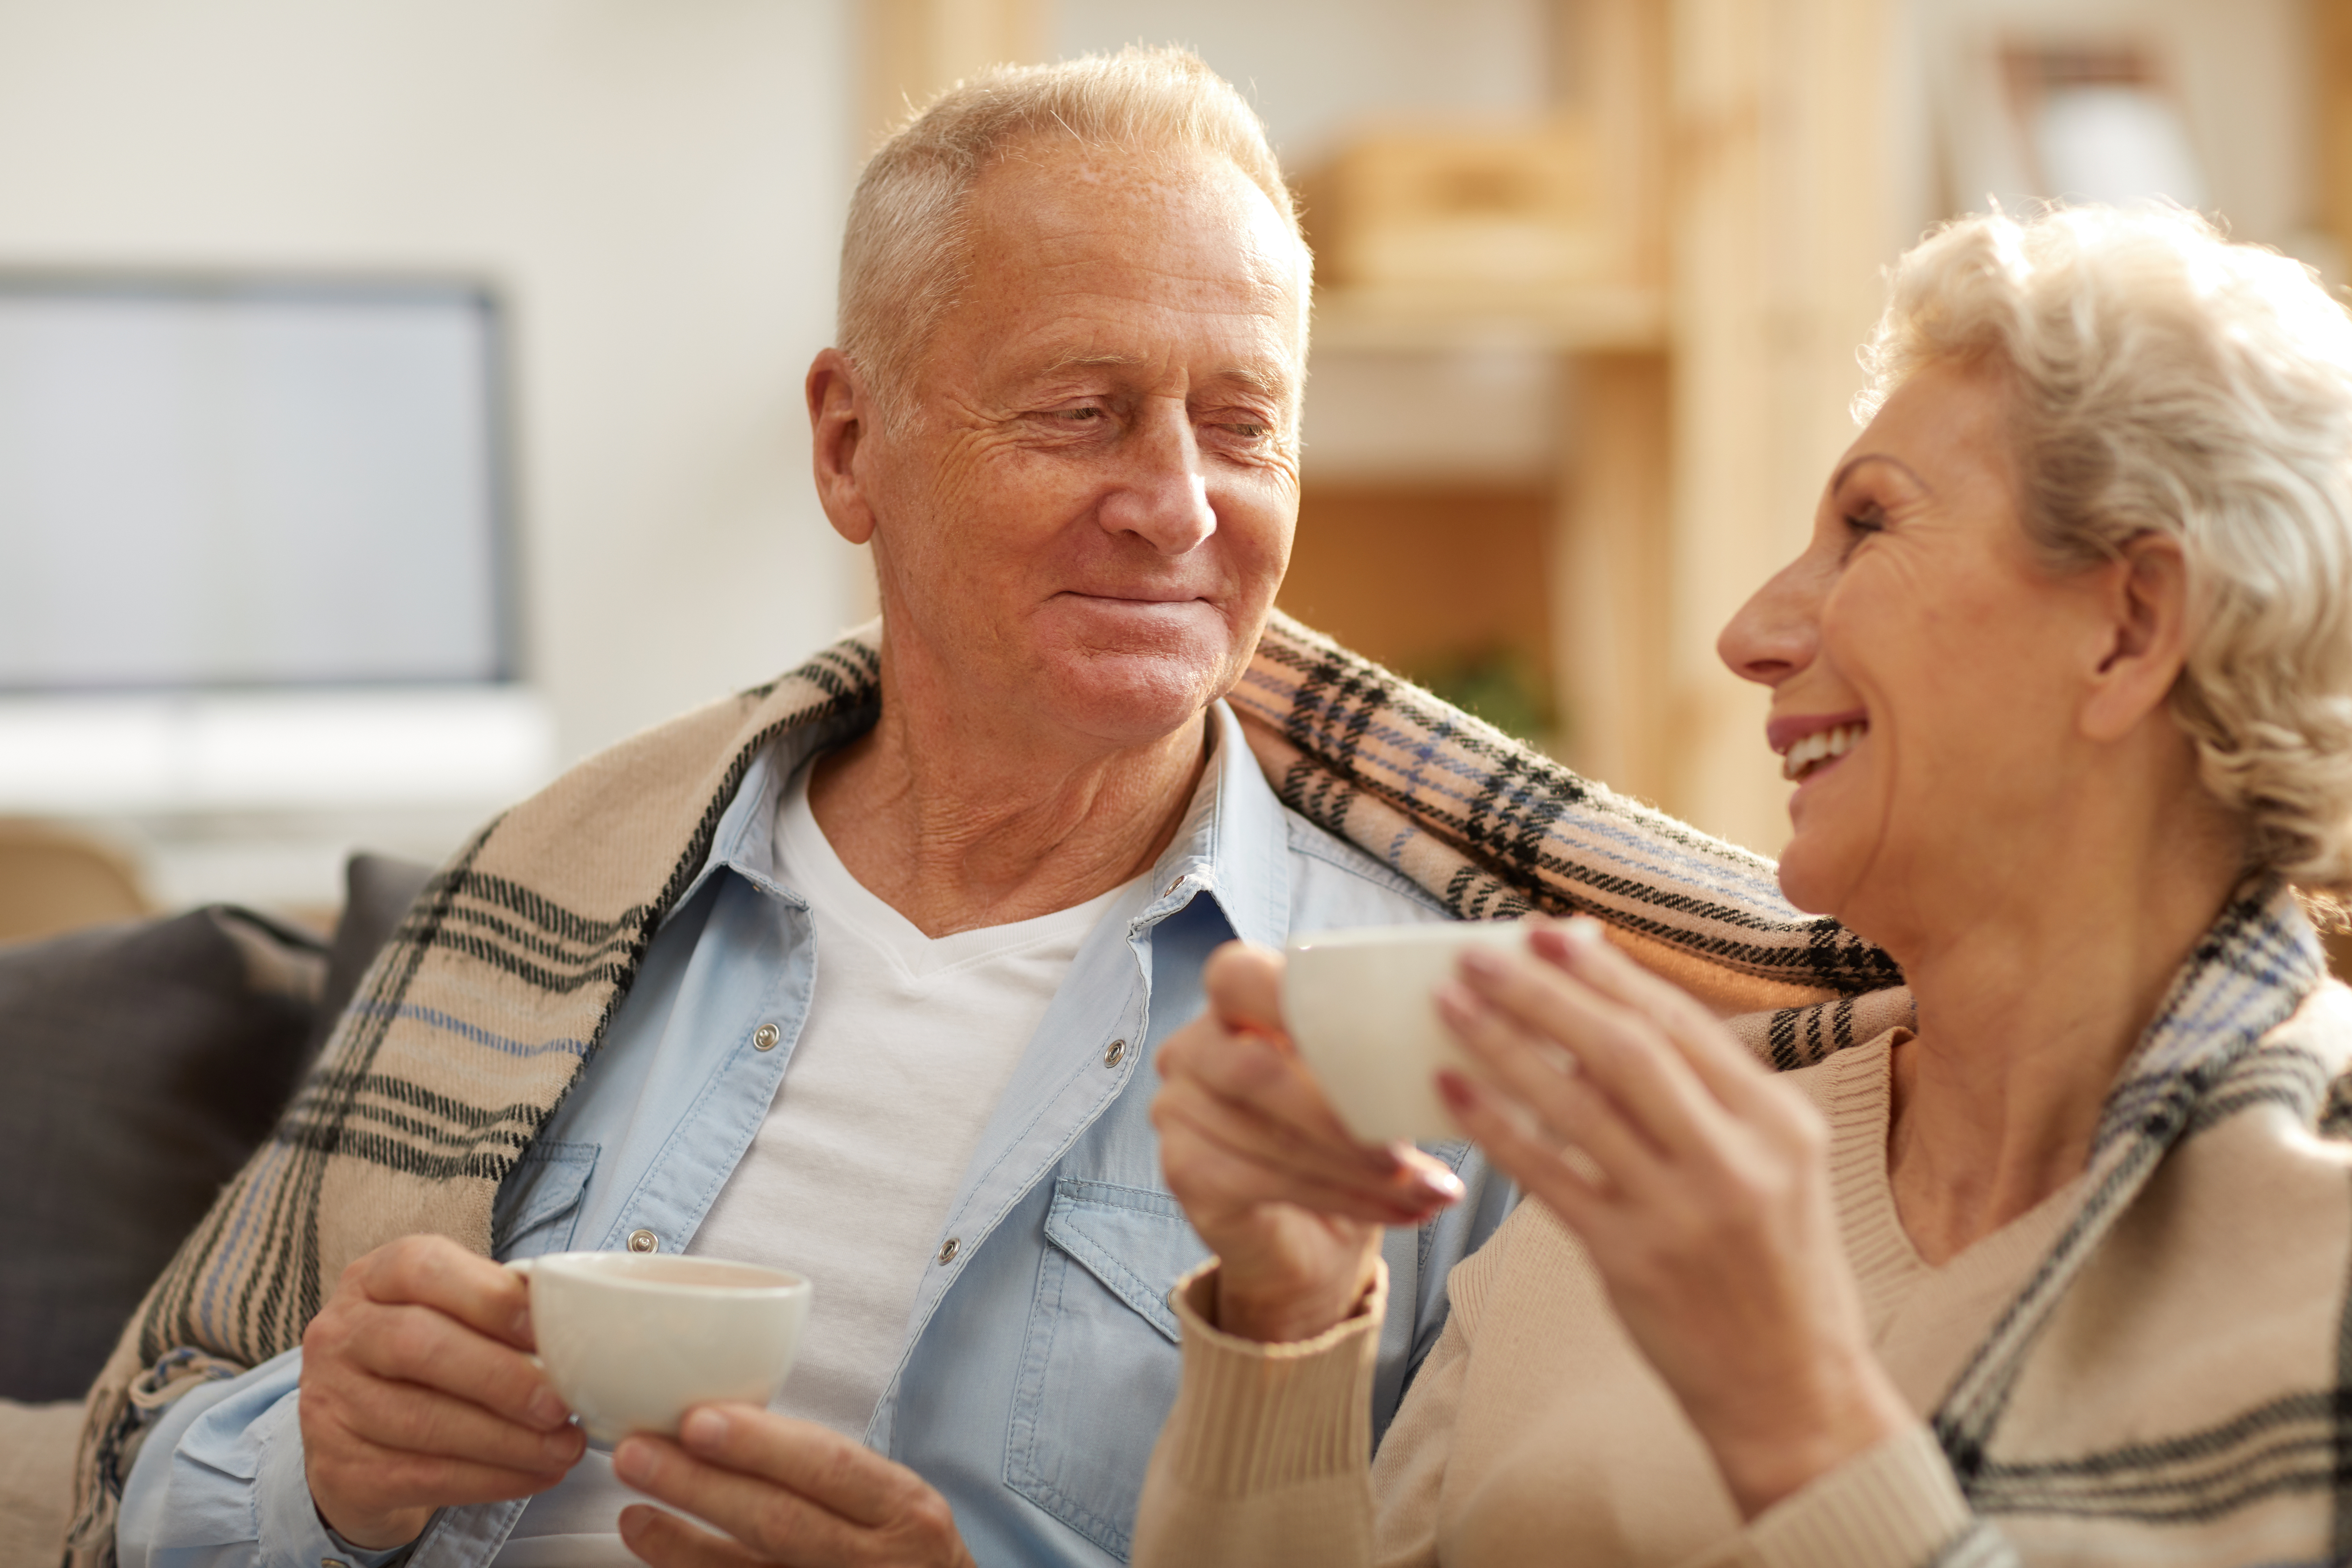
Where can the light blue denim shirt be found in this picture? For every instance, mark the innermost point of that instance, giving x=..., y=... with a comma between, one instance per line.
x=1040, y=1358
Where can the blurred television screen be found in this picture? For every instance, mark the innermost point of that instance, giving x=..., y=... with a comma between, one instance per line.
x=258, y=483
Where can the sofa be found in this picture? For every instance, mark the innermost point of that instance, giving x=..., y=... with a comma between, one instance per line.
x=140, y=1066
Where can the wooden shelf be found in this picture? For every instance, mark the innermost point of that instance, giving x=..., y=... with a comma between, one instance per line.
x=1584, y=320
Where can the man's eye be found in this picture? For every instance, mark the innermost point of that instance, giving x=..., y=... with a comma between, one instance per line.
x=1082, y=416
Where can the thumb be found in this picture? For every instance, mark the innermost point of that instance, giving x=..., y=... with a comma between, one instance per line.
x=1244, y=986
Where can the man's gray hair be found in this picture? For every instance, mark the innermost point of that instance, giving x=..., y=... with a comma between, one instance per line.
x=903, y=257
x=2166, y=381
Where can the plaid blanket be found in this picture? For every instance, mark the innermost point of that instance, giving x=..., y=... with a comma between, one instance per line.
x=479, y=1015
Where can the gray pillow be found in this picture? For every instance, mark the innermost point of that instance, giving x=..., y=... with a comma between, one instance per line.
x=142, y=1064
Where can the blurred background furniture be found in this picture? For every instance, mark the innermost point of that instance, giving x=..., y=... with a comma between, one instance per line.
x=53, y=879
x=144, y=1062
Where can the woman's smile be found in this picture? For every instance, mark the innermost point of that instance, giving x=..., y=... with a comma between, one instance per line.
x=1810, y=743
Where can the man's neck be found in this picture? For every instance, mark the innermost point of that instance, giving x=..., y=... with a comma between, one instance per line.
x=957, y=828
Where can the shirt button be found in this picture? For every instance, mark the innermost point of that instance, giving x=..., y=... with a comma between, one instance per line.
x=644, y=1241
x=1117, y=1049
x=765, y=1040
x=947, y=1252
x=332, y=1562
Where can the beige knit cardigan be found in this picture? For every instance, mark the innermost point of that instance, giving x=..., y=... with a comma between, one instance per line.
x=2150, y=1367
x=498, y=986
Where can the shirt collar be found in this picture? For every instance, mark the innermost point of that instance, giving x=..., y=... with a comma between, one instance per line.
x=744, y=841
x=1233, y=845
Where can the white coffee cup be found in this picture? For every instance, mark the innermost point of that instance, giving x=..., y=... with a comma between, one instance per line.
x=632, y=1341
x=1361, y=1006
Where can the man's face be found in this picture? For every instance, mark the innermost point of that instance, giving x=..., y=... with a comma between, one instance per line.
x=1091, y=507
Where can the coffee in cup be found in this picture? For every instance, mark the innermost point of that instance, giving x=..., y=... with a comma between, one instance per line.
x=1361, y=1006
x=632, y=1341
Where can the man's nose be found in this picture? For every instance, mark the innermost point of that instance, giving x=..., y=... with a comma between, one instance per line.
x=1777, y=632
x=1162, y=496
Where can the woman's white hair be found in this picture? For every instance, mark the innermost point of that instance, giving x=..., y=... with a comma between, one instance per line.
x=903, y=256
x=2165, y=380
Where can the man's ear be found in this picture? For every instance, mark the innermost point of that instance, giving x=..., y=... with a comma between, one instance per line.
x=841, y=419
x=2145, y=592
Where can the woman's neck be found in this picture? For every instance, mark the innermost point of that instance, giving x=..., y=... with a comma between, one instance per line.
x=2030, y=1001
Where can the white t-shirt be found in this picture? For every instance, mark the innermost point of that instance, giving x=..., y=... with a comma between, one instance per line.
x=907, y=1044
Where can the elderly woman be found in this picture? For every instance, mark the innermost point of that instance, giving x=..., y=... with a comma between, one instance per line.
x=2064, y=680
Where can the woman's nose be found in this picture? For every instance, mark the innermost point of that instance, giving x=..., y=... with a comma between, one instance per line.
x=1163, y=496
x=1774, y=635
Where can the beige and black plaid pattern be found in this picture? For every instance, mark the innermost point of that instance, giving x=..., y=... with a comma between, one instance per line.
x=475, y=1019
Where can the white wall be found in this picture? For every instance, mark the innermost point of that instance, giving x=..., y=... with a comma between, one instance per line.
x=656, y=184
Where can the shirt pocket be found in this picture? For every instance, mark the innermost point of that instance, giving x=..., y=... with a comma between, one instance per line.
x=1100, y=1364
x=539, y=1203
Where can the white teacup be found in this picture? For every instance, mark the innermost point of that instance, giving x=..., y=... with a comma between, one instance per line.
x=1361, y=1005
x=632, y=1341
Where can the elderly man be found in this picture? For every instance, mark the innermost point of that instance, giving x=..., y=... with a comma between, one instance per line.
x=856, y=973
x=887, y=1034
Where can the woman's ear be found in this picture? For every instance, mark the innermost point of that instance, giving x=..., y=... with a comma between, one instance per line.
x=840, y=421
x=2145, y=592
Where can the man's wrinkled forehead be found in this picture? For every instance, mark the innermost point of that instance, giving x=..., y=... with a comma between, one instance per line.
x=1186, y=229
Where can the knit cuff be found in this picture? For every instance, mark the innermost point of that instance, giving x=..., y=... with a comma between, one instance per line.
x=1893, y=1505
x=1252, y=1416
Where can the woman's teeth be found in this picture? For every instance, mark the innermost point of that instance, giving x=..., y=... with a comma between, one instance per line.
x=1822, y=746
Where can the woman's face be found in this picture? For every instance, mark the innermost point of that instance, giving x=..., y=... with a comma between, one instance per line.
x=1923, y=669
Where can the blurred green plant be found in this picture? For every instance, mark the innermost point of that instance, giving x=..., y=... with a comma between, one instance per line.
x=1499, y=684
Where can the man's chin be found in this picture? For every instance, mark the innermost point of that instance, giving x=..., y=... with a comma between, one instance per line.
x=1131, y=697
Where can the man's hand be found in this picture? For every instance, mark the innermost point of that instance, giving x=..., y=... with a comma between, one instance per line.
x=1291, y=1204
x=419, y=1392
x=786, y=1491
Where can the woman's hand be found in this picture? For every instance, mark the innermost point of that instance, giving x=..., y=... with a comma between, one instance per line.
x=1292, y=1207
x=1698, y=1183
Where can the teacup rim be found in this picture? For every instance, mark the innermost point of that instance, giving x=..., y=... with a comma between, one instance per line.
x=1384, y=935
x=584, y=1263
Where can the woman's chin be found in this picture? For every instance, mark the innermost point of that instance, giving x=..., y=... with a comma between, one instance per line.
x=1815, y=877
